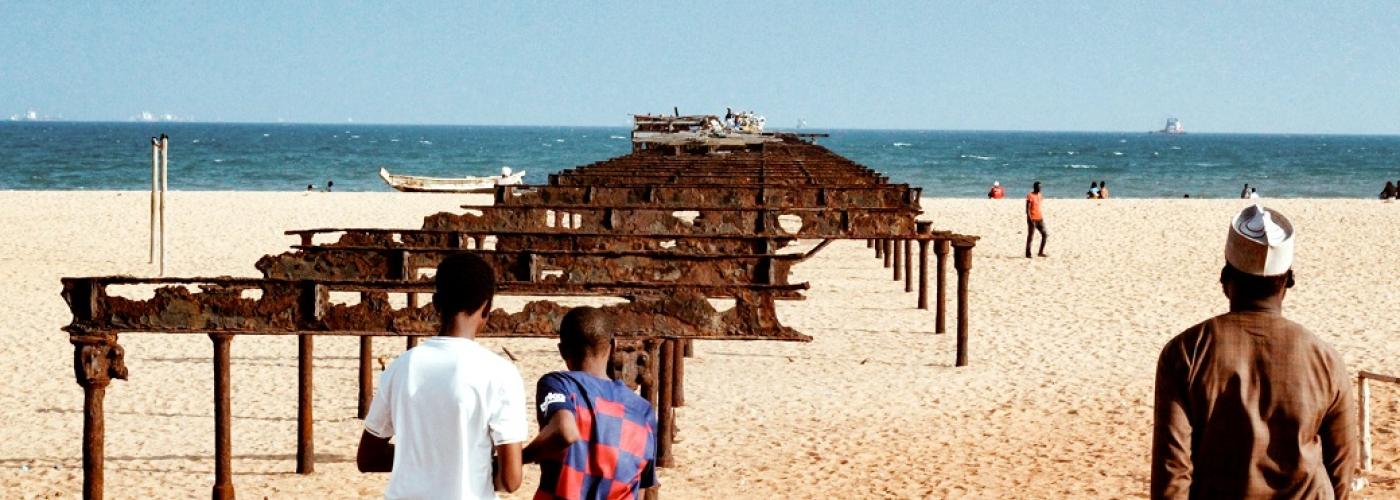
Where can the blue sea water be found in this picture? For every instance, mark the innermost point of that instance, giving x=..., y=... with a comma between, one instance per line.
x=288, y=157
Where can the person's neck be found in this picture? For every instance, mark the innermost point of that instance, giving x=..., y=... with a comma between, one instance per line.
x=595, y=366
x=1272, y=305
x=460, y=327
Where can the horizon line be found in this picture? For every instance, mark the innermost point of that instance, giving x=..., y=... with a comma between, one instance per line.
x=868, y=129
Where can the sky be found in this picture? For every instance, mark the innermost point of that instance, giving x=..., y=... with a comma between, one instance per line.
x=1244, y=67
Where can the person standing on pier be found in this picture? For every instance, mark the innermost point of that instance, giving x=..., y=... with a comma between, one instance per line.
x=451, y=402
x=1249, y=404
x=597, y=438
x=1035, y=219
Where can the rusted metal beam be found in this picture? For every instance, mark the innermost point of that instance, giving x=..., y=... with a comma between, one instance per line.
x=940, y=251
x=286, y=307
x=306, y=425
x=685, y=196
x=223, y=419
x=962, y=262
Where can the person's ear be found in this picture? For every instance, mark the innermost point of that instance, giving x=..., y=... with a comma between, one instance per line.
x=485, y=311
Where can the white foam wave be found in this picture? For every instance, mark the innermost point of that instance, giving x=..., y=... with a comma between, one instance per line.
x=1117, y=153
x=430, y=143
x=902, y=144
x=975, y=157
x=616, y=137
x=1080, y=165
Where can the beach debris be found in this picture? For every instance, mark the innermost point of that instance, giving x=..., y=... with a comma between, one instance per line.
x=694, y=213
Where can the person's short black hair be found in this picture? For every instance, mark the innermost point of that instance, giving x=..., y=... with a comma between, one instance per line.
x=465, y=283
x=1036, y=185
x=585, y=330
x=1252, y=287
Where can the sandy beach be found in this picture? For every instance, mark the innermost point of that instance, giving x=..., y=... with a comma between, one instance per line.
x=1056, y=402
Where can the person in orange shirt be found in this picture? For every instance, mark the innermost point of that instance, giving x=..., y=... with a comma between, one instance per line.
x=1035, y=220
x=997, y=192
x=1103, y=190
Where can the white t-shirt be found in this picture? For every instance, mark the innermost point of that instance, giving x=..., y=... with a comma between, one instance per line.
x=449, y=401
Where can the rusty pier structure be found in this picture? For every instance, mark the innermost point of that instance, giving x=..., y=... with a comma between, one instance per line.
x=689, y=216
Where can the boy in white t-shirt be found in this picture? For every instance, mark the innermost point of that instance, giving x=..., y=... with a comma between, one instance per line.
x=449, y=402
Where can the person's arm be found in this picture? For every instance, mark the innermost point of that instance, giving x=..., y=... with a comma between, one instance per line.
x=506, y=427
x=1028, y=208
x=507, y=469
x=554, y=438
x=1171, y=429
x=375, y=454
x=648, y=475
x=1338, y=434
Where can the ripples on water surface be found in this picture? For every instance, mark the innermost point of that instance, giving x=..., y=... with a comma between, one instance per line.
x=288, y=157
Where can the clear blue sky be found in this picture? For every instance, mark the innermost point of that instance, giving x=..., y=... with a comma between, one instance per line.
x=1328, y=67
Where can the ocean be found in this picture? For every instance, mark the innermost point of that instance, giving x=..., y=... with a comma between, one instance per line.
x=288, y=157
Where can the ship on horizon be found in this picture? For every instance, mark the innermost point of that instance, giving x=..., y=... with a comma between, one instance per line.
x=1173, y=127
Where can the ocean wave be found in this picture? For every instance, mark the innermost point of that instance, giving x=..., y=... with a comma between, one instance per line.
x=1117, y=153
x=429, y=143
x=975, y=157
x=558, y=140
x=616, y=137
x=901, y=144
x=1080, y=165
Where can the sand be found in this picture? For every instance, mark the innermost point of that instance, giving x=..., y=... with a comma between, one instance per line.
x=1056, y=403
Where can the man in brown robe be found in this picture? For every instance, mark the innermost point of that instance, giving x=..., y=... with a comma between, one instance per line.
x=1248, y=403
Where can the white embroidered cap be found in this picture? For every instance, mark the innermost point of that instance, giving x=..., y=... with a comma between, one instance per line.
x=1260, y=242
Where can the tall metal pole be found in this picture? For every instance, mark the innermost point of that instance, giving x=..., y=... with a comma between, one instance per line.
x=223, y=419
x=155, y=185
x=164, y=186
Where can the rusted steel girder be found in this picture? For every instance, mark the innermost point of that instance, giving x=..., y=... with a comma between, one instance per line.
x=681, y=196
x=813, y=223
x=707, y=244
x=557, y=267
x=290, y=307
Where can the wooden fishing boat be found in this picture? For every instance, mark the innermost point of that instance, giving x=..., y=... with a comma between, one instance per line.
x=411, y=183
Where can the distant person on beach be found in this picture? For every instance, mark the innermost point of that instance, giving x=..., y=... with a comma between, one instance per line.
x=997, y=192
x=1093, y=190
x=1103, y=190
x=1244, y=193
x=1388, y=193
x=1253, y=194
x=329, y=186
x=597, y=438
x=310, y=188
x=1250, y=404
x=456, y=408
x=1035, y=219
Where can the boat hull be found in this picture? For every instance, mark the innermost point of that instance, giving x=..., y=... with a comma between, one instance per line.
x=415, y=184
